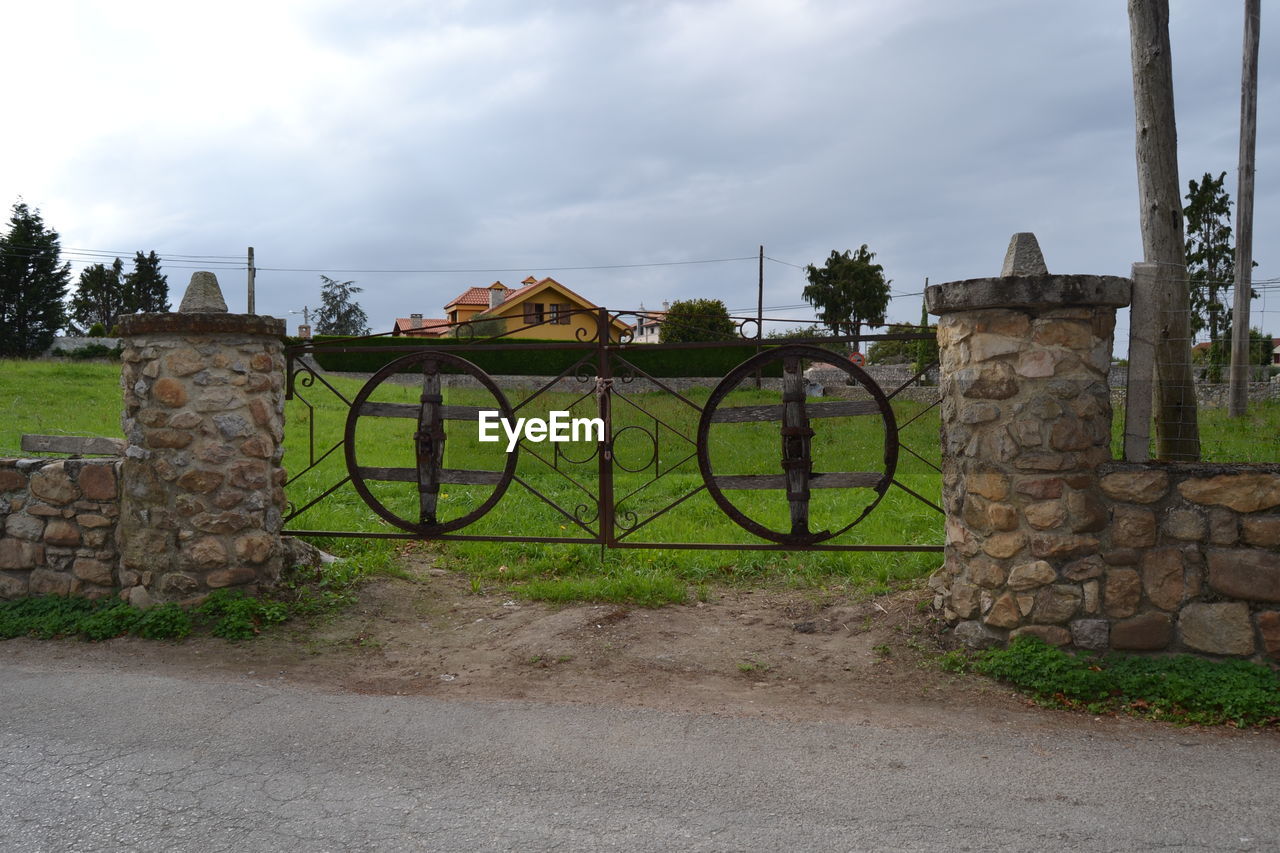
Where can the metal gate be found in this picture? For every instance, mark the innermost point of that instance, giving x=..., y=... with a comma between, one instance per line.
x=790, y=471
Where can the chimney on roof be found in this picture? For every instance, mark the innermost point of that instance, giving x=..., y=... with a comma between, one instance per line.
x=497, y=293
x=415, y=316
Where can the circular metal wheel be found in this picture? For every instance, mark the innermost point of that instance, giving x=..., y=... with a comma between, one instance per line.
x=429, y=443
x=797, y=477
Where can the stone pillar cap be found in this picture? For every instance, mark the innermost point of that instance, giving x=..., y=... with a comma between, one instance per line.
x=1023, y=256
x=203, y=295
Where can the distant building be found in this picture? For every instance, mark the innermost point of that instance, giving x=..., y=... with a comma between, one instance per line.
x=649, y=324
x=539, y=308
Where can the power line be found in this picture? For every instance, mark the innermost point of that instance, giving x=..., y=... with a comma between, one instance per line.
x=526, y=268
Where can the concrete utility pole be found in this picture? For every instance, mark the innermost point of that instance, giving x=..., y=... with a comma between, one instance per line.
x=1238, y=402
x=1160, y=204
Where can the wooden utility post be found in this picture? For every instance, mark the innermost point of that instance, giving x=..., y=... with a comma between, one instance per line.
x=1160, y=204
x=252, y=272
x=1238, y=402
x=760, y=312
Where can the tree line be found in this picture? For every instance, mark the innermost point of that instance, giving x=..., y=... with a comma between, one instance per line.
x=34, y=281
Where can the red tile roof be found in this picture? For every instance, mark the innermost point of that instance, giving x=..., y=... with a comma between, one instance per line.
x=420, y=326
x=471, y=296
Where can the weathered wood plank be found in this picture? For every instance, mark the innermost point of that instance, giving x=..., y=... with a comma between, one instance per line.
x=410, y=410
x=447, y=476
x=77, y=444
x=773, y=412
x=837, y=480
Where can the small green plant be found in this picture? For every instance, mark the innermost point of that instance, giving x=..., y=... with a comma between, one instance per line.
x=956, y=660
x=235, y=616
x=882, y=649
x=163, y=622
x=750, y=666
x=1182, y=689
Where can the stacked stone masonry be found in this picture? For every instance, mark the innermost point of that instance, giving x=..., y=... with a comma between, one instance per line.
x=1046, y=535
x=203, y=493
x=58, y=523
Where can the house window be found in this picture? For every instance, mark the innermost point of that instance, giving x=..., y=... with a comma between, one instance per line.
x=560, y=313
x=532, y=313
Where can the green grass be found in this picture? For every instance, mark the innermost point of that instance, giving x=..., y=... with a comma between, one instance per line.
x=1181, y=689
x=568, y=571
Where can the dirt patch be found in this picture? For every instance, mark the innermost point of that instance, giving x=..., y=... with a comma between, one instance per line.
x=788, y=654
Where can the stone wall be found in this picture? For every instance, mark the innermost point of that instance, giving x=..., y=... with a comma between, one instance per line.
x=1191, y=560
x=58, y=523
x=1046, y=535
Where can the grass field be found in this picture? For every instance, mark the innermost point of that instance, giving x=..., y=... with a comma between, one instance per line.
x=78, y=398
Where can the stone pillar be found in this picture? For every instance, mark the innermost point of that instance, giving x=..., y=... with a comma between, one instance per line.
x=1026, y=418
x=202, y=492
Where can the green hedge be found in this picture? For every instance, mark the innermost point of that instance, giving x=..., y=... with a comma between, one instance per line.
x=371, y=356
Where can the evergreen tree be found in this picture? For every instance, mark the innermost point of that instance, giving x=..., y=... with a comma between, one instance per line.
x=99, y=295
x=33, y=284
x=696, y=320
x=848, y=290
x=146, y=289
x=339, y=314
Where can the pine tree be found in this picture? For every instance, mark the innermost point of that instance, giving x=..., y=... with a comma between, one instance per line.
x=32, y=284
x=339, y=314
x=99, y=295
x=146, y=289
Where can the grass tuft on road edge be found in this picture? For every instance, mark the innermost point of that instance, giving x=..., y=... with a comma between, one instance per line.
x=1182, y=689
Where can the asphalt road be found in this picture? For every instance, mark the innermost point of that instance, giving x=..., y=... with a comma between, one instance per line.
x=96, y=759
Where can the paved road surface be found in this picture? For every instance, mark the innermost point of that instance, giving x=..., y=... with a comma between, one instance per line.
x=95, y=759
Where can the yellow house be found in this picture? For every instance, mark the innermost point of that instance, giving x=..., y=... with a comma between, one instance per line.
x=544, y=309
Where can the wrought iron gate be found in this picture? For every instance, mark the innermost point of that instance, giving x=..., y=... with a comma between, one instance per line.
x=658, y=452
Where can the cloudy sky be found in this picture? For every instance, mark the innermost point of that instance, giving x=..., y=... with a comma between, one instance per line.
x=423, y=147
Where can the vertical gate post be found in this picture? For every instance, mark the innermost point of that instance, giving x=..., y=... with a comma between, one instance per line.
x=1026, y=419
x=202, y=492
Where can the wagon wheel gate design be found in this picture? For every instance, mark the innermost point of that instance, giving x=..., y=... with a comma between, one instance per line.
x=811, y=475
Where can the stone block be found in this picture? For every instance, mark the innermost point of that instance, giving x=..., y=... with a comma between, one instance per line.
x=1162, y=577
x=1185, y=524
x=1004, y=613
x=92, y=571
x=12, y=481
x=986, y=573
x=49, y=582
x=1241, y=492
x=1141, y=487
x=1092, y=597
x=200, y=482
x=1088, y=514
x=1220, y=629
x=975, y=635
x=1084, y=569
x=1224, y=526
x=1261, y=530
x=1145, y=632
x=1121, y=593
x=984, y=346
x=18, y=553
x=59, y=531
x=1004, y=545
x=1031, y=575
x=147, y=549
x=992, y=381
x=53, y=485
x=98, y=482
x=1269, y=631
x=258, y=547
x=1056, y=604
x=1045, y=515
x=991, y=485
x=168, y=438
x=1092, y=634
x=230, y=577
x=178, y=583
x=1054, y=635
x=1133, y=527
x=1041, y=488
x=23, y=525
x=206, y=552
x=1049, y=546
x=1245, y=573
x=170, y=392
